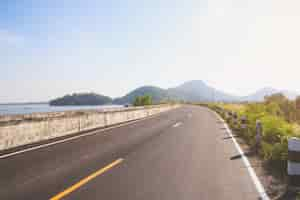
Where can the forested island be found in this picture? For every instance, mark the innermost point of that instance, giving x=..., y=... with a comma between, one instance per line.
x=81, y=99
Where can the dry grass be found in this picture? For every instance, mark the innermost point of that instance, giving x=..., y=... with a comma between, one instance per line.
x=234, y=107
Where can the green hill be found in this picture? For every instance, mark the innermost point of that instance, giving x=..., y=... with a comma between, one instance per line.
x=156, y=93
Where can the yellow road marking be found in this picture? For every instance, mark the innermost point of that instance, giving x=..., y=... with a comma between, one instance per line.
x=86, y=180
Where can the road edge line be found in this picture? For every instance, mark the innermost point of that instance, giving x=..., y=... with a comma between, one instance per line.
x=258, y=185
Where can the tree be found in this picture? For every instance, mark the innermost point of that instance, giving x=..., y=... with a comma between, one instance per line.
x=143, y=100
x=146, y=100
x=274, y=109
x=287, y=107
x=137, y=101
x=277, y=98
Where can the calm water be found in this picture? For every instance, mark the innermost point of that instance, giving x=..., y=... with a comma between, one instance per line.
x=33, y=108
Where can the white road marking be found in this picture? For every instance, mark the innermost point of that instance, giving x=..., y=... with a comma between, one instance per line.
x=259, y=187
x=74, y=137
x=177, y=124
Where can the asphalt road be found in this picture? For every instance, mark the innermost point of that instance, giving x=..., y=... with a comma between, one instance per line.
x=183, y=154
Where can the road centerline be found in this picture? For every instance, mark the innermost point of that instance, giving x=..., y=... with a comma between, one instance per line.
x=86, y=180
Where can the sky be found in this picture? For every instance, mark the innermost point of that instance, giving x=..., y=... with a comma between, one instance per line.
x=51, y=48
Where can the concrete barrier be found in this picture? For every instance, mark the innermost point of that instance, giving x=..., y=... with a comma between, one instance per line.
x=294, y=162
x=21, y=130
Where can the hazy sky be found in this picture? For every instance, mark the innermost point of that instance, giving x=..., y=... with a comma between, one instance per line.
x=111, y=47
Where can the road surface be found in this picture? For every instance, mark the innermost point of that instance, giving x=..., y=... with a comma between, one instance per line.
x=181, y=154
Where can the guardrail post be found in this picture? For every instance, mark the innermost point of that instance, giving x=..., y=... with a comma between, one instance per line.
x=259, y=131
x=235, y=120
x=294, y=163
x=223, y=112
x=79, y=124
x=226, y=115
x=230, y=114
x=244, y=123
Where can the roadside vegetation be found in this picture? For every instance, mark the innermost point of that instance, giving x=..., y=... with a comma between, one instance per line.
x=280, y=119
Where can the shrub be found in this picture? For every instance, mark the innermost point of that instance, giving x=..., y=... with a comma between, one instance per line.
x=275, y=152
x=275, y=128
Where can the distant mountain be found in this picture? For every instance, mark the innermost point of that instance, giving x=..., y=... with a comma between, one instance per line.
x=197, y=90
x=81, y=99
x=157, y=94
x=260, y=94
x=192, y=91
